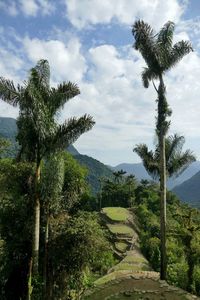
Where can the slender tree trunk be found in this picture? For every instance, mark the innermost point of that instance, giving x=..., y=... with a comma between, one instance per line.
x=34, y=260
x=30, y=279
x=163, y=266
x=162, y=127
x=45, y=273
x=36, y=230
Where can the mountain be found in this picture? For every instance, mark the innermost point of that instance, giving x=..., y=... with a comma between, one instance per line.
x=189, y=190
x=8, y=128
x=139, y=171
x=97, y=170
x=136, y=169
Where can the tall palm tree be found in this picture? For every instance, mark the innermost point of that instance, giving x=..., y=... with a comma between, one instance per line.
x=160, y=56
x=176, y=160
x=38, y=132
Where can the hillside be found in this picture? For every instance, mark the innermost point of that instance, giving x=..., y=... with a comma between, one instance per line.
x=97, y=170
x=8, y=128
x=139, y=171
x=189, y=191
x=132, y=277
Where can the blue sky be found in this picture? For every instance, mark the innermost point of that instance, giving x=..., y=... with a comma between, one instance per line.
x=89, y=42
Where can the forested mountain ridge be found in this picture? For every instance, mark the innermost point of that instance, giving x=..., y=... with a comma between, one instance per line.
x=96, y=171
x=189, y=190
x=139, y=171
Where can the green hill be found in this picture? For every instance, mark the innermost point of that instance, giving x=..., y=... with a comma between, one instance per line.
x=189, y=191
x=97, y=170
x=132, y=278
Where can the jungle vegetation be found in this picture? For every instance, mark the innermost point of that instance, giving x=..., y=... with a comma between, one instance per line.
x=53, y=244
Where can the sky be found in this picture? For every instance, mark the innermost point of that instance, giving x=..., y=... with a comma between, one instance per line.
x=89, y=42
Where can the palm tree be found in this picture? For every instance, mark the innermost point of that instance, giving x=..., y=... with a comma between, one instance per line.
x=118, y=176
x=38, y=132
x=176, y=160
x=160, y=56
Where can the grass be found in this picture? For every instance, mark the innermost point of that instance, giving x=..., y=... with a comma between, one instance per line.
x=121, y=246
x=132, y=267
x=135, y=259
x=121, y=229
x=118, y=214
x=112, y=276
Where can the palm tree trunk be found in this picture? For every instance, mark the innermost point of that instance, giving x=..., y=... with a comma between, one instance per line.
x=36, y=230
x=163, y=266
x=162, y=127
x=34, y=260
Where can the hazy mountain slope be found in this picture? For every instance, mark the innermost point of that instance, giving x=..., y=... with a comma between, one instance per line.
x=189, y=190
x=8, y=128
x=139, y=171
x=97, y=170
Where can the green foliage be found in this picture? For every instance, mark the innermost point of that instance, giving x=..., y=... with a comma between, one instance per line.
x=118, y=192
x=4, y=145
x=79, y=250
x=96, y=171
x=176, y=160
x=77, y=243
x=15, y=226
x=183, y=236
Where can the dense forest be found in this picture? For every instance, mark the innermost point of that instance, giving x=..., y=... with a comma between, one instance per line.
x=54, y=242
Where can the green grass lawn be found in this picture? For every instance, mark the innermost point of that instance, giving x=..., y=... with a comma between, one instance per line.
x=121, y=229
x=118, y=214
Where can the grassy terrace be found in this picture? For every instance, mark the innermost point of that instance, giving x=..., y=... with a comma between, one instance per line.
x=121, y=229
x=121, y=246
x=118, y=214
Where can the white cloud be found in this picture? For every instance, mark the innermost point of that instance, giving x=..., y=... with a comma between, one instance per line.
x=29, y=8
x=115, y=98
x=66, y=61
x=109, y=78
x=47, y=7
x=84, y=13
x=9, y=7
x=125, y=111
x=10, y=66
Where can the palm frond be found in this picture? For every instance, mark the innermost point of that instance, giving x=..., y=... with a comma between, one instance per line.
x=146, y=44
x=43, y=70
x=70, y=131
x=178, y=51
x=165, y=36
x=149, y=160
x=180, y=162
x=64, y=92
x=174, y=145
x=39, y=80
x=147, y=76
x=8, y=92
